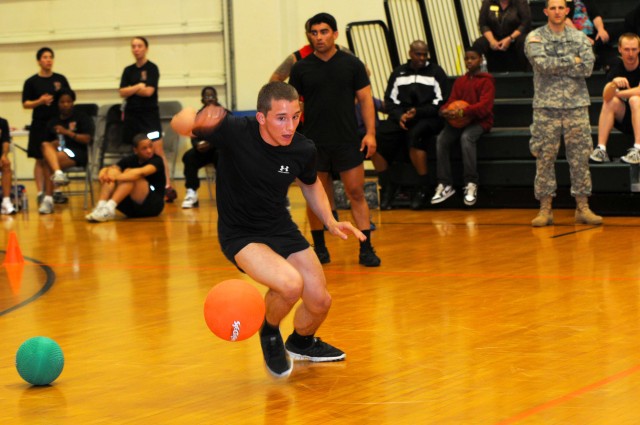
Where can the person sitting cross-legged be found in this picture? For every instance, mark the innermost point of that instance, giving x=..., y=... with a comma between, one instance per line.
x=134, y=186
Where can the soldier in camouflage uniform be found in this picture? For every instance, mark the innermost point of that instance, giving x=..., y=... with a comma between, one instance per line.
x=561, y=58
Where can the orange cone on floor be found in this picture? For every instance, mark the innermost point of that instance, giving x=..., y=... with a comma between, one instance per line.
x=13, y=255
x=14, y=273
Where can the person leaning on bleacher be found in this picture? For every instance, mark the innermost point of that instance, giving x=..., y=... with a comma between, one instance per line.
x=621, y=101
x=504, y=24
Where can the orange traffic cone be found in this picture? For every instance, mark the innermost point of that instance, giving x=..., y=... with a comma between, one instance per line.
x=14, y=273
x=13, y=255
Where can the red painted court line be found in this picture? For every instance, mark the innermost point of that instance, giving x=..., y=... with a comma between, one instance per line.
x=560, y=400
x=359, y=272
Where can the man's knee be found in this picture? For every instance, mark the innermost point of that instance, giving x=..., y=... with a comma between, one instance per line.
x=320, y=304
x=290, y=287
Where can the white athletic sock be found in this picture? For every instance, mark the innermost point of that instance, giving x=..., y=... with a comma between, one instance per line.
x=111, y=204
x=101, y=203
x=637, y=146
x=6, y=200
x=58, y=172
x=603, y=147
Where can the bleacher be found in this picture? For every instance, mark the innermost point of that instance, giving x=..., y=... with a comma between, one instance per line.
x=505, y=165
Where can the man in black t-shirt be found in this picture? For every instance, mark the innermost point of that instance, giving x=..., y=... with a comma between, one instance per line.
x=134, y=186
x=621, y=101
x=37, y=94
x=259, y=159
x=330, y=80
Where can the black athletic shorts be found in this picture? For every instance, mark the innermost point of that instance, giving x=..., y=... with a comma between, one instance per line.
x=78, y=156
x=136, y=122
x=626, y=126
x=338, y=158
x=38, y=133
x=151, y=207
x=283, y=244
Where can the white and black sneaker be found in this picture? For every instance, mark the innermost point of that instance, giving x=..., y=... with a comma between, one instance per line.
x=442, y=193
x=470, y=194
x=100, y=215
x=59, y=178
x=278, y=363
x=599, y=155
x=8, y=208
x=319, y=351
x=190, y=199
x=632, y=156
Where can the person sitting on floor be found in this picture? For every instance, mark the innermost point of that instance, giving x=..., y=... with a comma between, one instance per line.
x=134, y=186
x=69, y=134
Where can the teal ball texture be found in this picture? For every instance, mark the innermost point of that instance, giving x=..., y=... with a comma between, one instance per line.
x=39, y=360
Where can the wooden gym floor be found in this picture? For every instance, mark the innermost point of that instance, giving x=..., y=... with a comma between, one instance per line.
x=473, y=318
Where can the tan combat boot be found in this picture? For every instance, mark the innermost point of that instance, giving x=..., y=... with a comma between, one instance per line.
x=583, y=214
x=545, y=215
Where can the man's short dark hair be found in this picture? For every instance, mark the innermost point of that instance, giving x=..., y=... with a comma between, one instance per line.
x=546, y=3
x=275, y=91
x=323, y=18
x=143, y=39
x=42, y=51
x=139, y=138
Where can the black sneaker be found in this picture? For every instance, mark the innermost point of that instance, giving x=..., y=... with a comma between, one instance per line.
x=170, y=195
x=368, y=258
x=319, y=351
x=420, y=198
x=387, y=196
x=276, y=358
x=323, y=254
x=60, y=198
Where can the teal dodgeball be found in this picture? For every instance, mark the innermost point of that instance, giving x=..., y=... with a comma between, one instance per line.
x=39, y=360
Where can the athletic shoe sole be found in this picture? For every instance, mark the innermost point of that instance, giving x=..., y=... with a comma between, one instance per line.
x=296, y=356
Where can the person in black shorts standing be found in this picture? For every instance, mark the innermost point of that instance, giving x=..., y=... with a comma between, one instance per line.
x=134, y=186
x=38, y=94
x=139, y=89
x=259, y=159
x=330, y=80
x=65, y=146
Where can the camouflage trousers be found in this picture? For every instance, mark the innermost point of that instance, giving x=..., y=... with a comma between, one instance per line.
x=547, y=128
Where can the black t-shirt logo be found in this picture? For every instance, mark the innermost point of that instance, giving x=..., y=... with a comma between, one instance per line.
x=143, y=75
